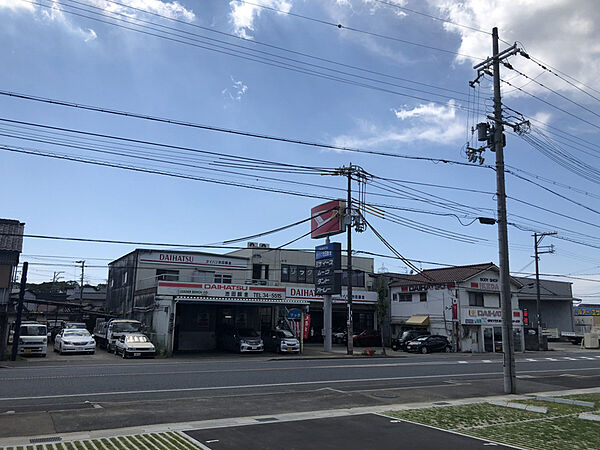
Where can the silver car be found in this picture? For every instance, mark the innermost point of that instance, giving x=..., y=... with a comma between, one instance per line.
x=74, y=340
x=281, y=341
x=135, y=345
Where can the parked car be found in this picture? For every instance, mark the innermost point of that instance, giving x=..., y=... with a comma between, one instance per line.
x=368, y=338
x=33, y=338
x=281, y=341
x=339, y=336
x=428, y=344
x=409, y=335
x=240, y=340
x=134, y=345
x=108, y=333
x=74, y=340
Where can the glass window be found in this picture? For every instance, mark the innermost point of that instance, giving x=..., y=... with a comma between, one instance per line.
x=224, y=278
x=301, y=274
x=285, y=273
x=293, y=274
x=256, y=269
x=167, y=275
x=310, y=279
x=405, y=297
x=423, y=297
x=475, y=299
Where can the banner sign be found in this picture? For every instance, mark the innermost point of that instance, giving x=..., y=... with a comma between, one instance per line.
x=306, y=325
x=241, y=291
x=586, y=310
x=295, y=293
x=326, y=219
x=487, y=316
x=328, y=269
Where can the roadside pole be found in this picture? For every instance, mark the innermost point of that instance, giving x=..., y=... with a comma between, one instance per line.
x=17, y=332
x=350, y=331
x=327, y=317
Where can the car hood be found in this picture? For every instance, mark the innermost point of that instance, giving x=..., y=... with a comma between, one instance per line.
x=140, y=345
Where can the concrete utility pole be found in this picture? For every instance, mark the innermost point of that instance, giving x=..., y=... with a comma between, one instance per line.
x=17, y=330
x=81, y=286
x=497, y=145
x=350, y=328
x=538, y=308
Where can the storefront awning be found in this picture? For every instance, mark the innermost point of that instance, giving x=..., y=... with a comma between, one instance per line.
x=417, y=320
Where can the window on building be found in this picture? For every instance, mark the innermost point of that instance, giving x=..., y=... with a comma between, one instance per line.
x=285, y=273
x=256, y=271
x=358, y=278
x=310, y=278
x=301, y=274
x=423, y=297
x=224, y=278
x=266, y=266
x=124, y=280
x=475, y=298
x=405, y=297
x=293, y=274
x=202, y=276
x=167, y=275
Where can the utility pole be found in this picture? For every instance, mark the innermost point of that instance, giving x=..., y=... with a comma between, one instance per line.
x=350, y=328
x=353, y=219
x=81, y=286
x=495, y=139
x=17, y=331
x=327, y=313
x=538, y=307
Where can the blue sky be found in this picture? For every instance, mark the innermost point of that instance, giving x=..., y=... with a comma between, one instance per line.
x=50, y=52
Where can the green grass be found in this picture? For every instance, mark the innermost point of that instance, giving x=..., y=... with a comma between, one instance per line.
x=517, y=427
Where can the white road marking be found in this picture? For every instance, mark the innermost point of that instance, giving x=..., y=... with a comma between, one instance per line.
x=487, y=361
x=531, y=360
x=570, y=359
x=551, y=359
x=586, y=357
x=463, y=362
x=296, y=383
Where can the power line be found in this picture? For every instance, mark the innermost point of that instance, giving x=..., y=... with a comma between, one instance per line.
x=227, y=51
x=357, y=30
x=227, y=130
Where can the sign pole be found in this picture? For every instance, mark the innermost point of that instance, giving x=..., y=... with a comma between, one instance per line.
x=327, y=307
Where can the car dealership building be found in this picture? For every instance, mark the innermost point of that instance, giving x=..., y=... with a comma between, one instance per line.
x=186, y=298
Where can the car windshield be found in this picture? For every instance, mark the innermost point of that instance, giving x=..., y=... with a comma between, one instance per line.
x=422, y=338
x=406, y=335
x=33, y=330
x=247, y=332
x=75, y=325
x=136, y=339
x=130, y=327
x=285, y=334
x=76, y=333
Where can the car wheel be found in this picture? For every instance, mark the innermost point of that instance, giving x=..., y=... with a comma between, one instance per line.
x=448, y=349
x=424, y=350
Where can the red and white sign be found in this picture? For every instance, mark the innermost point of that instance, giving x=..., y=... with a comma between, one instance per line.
x=326, y=219
x=193, y=260
x=306, y=325
x=308, y=294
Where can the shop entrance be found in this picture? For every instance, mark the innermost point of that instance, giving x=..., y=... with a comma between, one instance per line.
x=492, y=339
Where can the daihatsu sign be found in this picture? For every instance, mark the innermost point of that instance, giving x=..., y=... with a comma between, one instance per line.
x=326, y=219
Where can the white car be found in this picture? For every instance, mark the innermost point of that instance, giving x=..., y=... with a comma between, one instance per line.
x=74, y=340
x=135, y=346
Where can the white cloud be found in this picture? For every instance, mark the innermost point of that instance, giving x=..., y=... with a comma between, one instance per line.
x=242, y=15
x=238, y=90
x=173, y=10
x=426, y=122
x=562, y=33
x=15, y=5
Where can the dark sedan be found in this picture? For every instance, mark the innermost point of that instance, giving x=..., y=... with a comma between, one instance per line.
x=429, y=344
x=368, y=338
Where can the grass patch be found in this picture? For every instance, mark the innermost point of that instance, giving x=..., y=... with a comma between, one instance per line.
x=517, y=427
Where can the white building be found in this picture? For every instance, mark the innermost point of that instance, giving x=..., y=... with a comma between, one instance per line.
x=461, y=303
x=186, y=298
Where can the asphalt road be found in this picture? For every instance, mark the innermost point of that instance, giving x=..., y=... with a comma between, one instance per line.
x=350, y=433
x=63, y=396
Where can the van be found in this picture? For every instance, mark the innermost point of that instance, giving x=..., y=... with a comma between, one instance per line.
x=33, y=339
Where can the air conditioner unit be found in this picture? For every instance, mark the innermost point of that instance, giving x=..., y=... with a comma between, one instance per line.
x=252, y=244
x=261, y=245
